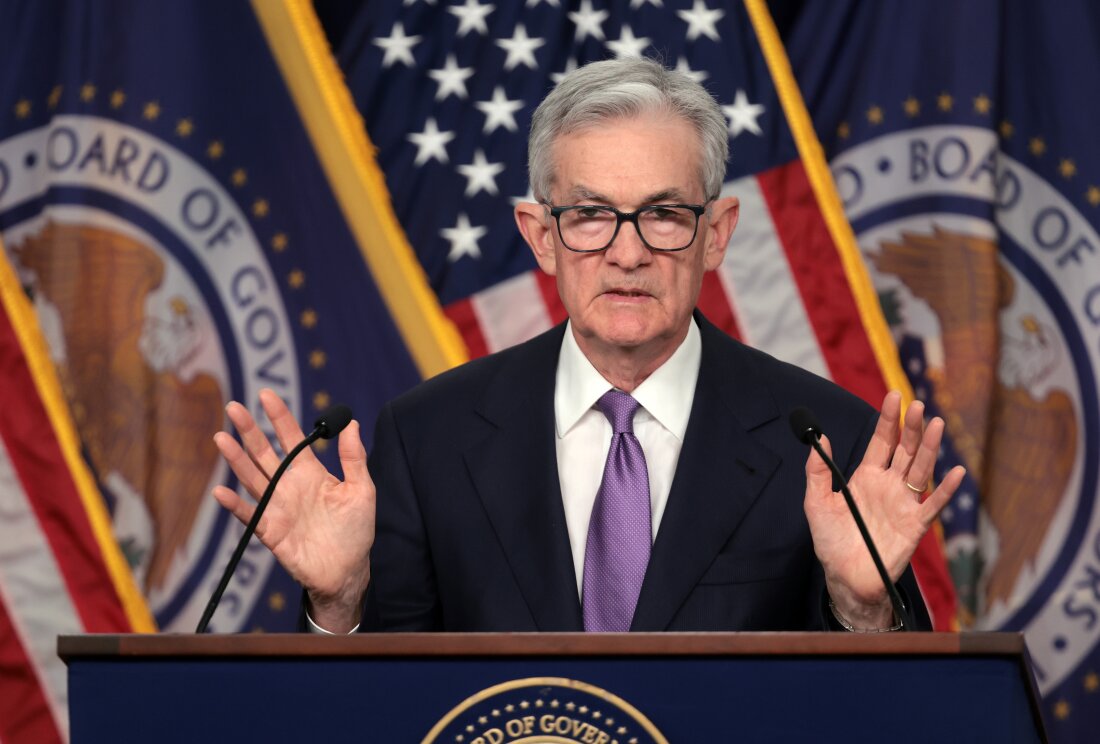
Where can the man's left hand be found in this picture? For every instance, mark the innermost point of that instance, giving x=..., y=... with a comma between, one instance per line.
x=887, y=487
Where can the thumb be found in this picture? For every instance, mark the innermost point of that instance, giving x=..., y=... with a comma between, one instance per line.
x=819, y=479
x=353, y=457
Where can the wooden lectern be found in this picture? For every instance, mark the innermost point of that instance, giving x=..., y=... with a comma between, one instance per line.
x=561, y=688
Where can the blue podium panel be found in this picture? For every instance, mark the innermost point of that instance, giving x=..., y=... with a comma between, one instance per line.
x=501, y=698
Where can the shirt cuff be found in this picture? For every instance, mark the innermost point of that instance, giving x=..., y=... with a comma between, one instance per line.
x=315, y=628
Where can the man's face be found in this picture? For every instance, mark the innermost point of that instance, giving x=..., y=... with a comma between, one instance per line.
x=627, y=299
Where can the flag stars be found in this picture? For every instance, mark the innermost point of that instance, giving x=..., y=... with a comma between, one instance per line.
x=1093, y=196
x=844, y=131
x=87, y=93
x=588, y=22
x=308, y=318
x=499, y=111
x=239, y=177
x=150, y=111
x=277, y=601
x=451, y=79
x=628, y=45
x=260, y=208
x=184, y=127
x=116, y=99
x=431, y=144
x=520, y=48
x=215, y=150
x=321, y=400
x=701, y=20
x=318, y=359
x=875, y=115
x=1067, y=168
x=279, y=242
x=945, y=102
x=570, y=65
x=1036, y=146
x=22, y=108
x=1061, y=710
x=463, y=238
x=471, y=17
x=54, y=97
x=983, y=105
x=743, y=115
x=1092, y=682
x=481, y=175
x=1006, y=129
x=684, y=68
x=483, y=720
x=296, y=279
x=911, y=107
x=397, y=47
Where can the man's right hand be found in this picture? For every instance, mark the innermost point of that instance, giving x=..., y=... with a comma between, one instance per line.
x=319, y=528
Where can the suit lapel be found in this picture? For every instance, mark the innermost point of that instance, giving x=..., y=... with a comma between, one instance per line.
x=720, y=473
x=515, y=472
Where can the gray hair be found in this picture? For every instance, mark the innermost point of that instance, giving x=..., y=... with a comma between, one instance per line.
x=626, y=88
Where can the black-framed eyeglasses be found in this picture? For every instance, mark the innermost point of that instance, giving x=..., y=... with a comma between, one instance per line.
x=590, y=228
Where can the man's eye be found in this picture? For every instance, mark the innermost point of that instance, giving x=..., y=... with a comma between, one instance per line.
x=660, y=213
x=591, y=213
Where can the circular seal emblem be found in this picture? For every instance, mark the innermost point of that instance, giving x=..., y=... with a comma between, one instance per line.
x=544, y=710
x=983, y=268
x=159, y=305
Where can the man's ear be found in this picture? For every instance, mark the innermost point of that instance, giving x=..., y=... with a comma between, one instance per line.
x=721, y=217
x=535, y=225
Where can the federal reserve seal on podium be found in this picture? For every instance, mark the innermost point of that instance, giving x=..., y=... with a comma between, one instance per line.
x=544, y=710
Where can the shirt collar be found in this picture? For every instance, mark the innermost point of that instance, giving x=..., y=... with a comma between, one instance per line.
x=667, y=394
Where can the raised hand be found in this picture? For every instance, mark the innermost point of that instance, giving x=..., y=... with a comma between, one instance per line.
x=319, y=528
x=887, y=487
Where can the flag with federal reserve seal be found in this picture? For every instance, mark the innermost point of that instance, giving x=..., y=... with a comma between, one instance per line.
x=962, y=140
x=178, y=198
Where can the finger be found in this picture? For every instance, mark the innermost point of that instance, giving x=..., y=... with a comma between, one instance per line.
x=911, y=434
x=881, y=447
x=234, y=504
x=255, y=442
x=925, y=461
x=286, y=427
x=939, y=498
x=819, y=479
x=251, y=477
x=353, y=457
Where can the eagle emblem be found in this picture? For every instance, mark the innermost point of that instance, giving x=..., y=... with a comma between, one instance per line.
x=1018, y=444
x=138, y=419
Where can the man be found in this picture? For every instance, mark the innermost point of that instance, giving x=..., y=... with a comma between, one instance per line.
x=632, y=469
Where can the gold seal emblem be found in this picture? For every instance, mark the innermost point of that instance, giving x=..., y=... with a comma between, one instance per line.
x=544, y=710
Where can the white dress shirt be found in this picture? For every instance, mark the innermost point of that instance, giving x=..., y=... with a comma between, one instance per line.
x=584, y=433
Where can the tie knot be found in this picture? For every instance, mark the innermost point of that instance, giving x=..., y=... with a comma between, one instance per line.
x=619, y=407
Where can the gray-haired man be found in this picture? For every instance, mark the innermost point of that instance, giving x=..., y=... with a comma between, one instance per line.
x=631, y=469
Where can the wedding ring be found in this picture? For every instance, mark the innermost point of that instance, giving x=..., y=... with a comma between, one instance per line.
x=913, y=488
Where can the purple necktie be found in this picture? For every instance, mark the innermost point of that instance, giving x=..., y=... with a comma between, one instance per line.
x=620, y=532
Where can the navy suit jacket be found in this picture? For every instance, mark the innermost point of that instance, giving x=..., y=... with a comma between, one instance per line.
x=471, y=532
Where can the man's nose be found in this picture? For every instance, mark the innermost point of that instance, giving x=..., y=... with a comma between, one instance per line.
x=627, y=249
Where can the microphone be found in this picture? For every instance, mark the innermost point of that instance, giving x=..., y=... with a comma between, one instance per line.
x=808, y=431
x=331, y=422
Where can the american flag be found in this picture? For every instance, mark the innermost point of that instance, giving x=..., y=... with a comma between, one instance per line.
x=447, y=90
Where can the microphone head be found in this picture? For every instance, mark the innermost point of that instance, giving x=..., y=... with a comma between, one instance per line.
x=332, y=421
x=804, y=425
